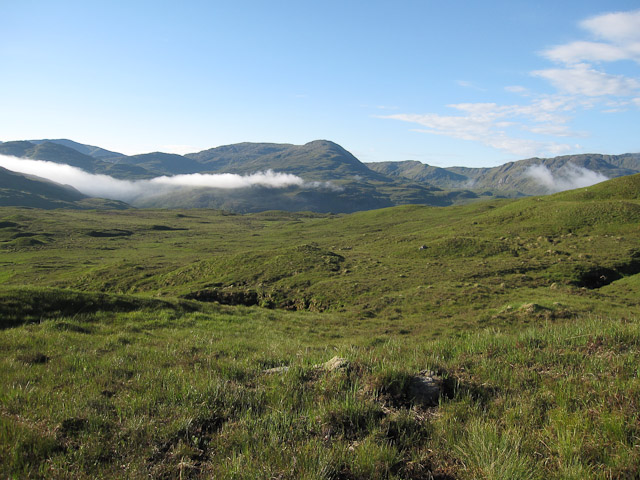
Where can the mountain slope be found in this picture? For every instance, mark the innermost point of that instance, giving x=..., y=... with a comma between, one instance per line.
x=319, y=160
x=57, y=153
x=162, y=163
x=92, y=151
x=513, y=177
x=20, y=190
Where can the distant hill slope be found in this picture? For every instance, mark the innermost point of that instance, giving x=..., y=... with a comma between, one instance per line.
x=512, y=177
x=318, y=160
x=58, y=153
x=334, y=179
x=20, y=190
x=162, y=163
x=92, y=151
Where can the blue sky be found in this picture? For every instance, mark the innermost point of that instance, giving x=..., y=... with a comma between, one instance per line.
x=473, y=83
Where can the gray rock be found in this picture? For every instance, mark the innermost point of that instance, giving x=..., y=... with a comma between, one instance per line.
x=270, y=371
x=425, y=389
x=336, y=363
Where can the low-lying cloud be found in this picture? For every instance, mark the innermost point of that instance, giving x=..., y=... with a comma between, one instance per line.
x=568, y=177
x=97, y=185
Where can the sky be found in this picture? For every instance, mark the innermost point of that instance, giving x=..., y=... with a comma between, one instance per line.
x=466, y=83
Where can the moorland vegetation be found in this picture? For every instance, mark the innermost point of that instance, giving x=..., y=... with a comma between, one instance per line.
x=203, y=344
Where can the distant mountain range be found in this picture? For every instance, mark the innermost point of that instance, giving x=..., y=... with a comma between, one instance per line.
x=514, y=178
x=334, y=179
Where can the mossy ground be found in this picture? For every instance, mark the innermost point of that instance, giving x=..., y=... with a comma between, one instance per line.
x=528, y=309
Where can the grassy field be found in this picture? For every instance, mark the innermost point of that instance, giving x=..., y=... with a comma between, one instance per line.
x=194, y=344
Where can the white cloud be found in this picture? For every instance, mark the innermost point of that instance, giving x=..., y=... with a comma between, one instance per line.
x=619, y=35
x=126, y=190
x=553, y=130
x=616, y=26
x=471, y=85
x=580, y=87
x=581, y=79
x=493, y=125
x=576, y=52
x=567, y=178
x=488, y=124
x=517, y=89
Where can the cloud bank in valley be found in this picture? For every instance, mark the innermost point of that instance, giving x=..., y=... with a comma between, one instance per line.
x=567, y=178
x=104, y=186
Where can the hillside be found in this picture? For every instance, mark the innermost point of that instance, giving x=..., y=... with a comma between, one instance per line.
x=58, y=153
x=21, y=190
x=513, y=178
x=92, y=151
x=335, y=181
x=332, y=179
x=158, y=163
x=319, y=160
x=492, y=340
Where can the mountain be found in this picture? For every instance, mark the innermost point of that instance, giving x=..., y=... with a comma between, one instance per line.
x=333, y=180
x=320, y=160
x=21, y=190
x=162, y=163
x=58, y=153
x=95, y=152
x=514, y=178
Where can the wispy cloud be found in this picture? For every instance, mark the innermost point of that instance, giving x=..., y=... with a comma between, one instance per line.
x=129, y=191
x=616, y=37
x=582, y=79
x=576, y=52
x=533, y=128
x=471, y=85
x=493, y=125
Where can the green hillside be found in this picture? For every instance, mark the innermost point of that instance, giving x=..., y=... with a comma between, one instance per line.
x=317, y=160
x=493, y=340
x=29, y=191
x=91, y=150
x=335, y=181
x=58, y=153
x=159, y=163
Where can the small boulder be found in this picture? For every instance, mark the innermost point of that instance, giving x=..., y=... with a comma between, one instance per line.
x=336, y=363
x=271, y=371
x=425, y=389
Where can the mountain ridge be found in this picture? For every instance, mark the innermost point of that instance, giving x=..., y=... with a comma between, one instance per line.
x=334, y=179
x=512, y=177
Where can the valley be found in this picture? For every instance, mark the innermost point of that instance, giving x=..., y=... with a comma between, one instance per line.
x=201, y=338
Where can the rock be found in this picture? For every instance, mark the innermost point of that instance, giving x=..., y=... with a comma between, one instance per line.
x=531, y=308
x=270, y=371
x=425, y=389
x=336, y=363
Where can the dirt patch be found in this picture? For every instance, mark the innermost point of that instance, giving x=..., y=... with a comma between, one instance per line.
x=598, y=277
x=225, y=297
x=166, y=228
x=110, y=233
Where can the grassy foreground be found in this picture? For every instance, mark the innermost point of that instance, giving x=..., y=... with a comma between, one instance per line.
x=166, y=395
x=194, y=344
